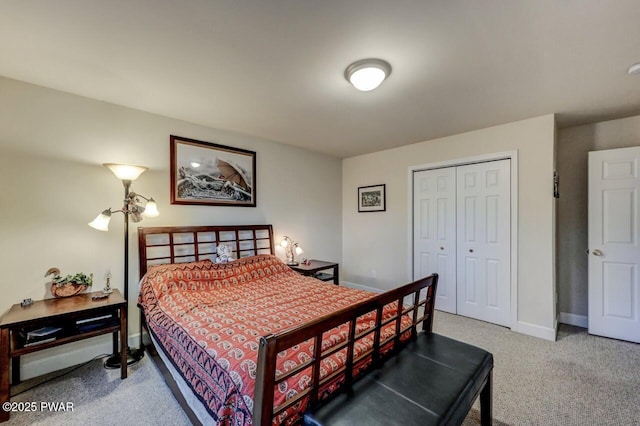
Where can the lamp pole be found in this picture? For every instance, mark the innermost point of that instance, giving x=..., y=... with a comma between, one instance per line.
x=127, y=186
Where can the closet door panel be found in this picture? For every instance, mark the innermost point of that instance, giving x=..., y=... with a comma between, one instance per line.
x=434, y=232
x=484, y=240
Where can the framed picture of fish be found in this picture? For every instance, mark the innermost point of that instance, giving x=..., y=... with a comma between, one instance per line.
x=210, y=174
x=372, y=198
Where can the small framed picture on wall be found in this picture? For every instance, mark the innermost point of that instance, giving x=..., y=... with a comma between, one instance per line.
x=372, y=198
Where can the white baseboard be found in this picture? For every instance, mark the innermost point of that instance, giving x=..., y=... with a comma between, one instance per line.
x=361, y=287
x=546, y=333
x=573, y=319
x=60, y=357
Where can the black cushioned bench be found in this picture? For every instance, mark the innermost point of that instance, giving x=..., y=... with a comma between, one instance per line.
x=433, y=381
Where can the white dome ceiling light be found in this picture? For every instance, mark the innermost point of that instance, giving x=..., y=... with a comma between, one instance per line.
x=367, y=74
x=634, y=69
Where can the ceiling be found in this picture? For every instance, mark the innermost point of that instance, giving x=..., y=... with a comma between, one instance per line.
x=275, y=69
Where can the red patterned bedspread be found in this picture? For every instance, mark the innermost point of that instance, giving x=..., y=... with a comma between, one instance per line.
x=209, y=318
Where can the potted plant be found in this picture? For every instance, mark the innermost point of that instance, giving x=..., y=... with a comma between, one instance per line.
x=69, y=285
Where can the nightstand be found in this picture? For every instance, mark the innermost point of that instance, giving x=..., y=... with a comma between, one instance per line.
x=53, y=322
x=315, y=268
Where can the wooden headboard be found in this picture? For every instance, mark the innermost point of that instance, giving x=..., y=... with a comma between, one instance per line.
x=179, y=244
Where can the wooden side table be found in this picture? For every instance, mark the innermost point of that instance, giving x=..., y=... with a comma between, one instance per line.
x=79, y=317
x=315, y=268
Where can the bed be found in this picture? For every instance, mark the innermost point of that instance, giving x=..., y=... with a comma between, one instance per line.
x=254, y=342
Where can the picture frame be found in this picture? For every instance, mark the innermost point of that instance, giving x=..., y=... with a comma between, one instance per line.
x=372, y=198
x=206, y=173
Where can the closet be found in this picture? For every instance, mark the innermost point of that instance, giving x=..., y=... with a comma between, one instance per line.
x=461, y=230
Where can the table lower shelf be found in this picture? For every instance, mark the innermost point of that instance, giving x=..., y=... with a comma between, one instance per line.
x=323, y=276
x=62, y=340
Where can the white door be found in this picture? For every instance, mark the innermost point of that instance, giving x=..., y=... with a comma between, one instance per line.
x=614, y=250
x=484, y=241
x=434, y=232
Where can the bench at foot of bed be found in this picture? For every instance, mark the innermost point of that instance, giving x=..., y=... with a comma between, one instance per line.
x=433, y=381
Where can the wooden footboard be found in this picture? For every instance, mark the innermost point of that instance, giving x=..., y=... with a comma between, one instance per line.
x=419, y=310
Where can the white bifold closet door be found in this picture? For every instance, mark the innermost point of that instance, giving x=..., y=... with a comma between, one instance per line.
x=484, y=241
x=434, y=232
x=462, y=231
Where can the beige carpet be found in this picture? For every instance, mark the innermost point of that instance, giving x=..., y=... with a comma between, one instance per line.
x=578, y=380
x=99, y=397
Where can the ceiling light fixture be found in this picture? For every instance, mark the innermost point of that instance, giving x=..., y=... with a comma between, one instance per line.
x=367, y=74
x=634, y=69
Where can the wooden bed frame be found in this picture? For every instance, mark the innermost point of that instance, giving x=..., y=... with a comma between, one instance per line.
x=192, y=243
x=179, y=244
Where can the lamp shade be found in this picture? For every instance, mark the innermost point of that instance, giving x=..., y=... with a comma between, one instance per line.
x=367, y=74
x=299, y=250
x=151, y=209
x=126, y=171
x=284, y=242
x=101, y=222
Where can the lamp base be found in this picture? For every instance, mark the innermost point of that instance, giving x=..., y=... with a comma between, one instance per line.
x=293, y=263
x=133, y=356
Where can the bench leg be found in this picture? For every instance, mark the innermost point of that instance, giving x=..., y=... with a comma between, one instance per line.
x=486, y=402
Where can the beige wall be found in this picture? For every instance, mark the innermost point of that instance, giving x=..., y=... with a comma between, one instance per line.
x=574, y=143
x=52, y=184
x=376, y=246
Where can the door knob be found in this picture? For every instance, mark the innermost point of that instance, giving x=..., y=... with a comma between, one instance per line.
x=441, y=248
x=597, y=252
x=470, y=250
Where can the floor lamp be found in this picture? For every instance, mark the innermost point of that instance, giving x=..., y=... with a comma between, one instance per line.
x=130, y=210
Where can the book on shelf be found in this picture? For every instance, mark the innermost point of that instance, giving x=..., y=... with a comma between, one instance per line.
x=88, y=324
x=94, y=319
x=42, y=333
x=39, y=342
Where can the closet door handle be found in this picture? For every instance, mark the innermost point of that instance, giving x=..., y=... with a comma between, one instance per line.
x=470, y=250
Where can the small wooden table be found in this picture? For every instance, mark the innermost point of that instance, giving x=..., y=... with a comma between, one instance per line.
x=79, y=317
x=314, y=270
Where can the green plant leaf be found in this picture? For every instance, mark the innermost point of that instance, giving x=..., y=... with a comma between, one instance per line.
x=79, y=278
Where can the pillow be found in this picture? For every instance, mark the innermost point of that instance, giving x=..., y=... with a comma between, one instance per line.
x=223, y=254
